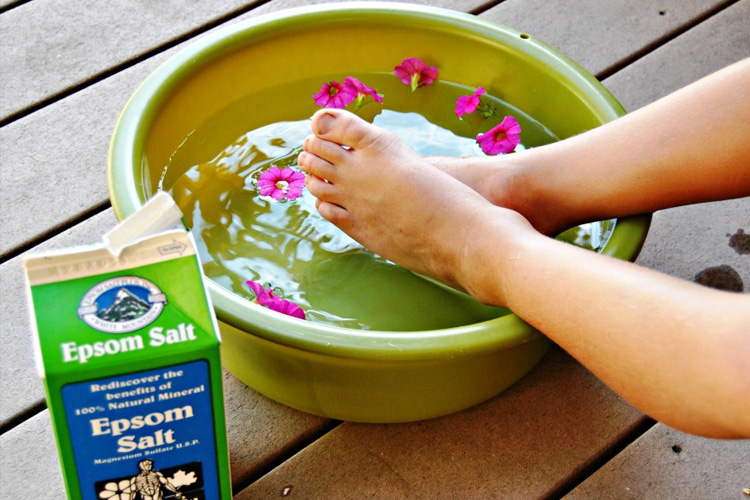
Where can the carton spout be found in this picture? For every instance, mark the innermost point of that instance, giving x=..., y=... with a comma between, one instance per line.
x=159, y=214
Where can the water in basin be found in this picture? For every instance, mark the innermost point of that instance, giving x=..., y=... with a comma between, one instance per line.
x=243, y=236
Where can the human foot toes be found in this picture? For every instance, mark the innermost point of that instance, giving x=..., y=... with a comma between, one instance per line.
x=346, y=152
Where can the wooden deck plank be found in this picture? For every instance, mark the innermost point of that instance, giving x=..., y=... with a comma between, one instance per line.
x=717, y=42
x=29, y=464
x=59, y=158
x=458, y=5
x=522, y=444
x=601, y=35
x=665, y=463
x=58, y=45
x=262, y=432
x=53, y=45
x=697, y=240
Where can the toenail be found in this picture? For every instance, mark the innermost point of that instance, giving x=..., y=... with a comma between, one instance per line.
x=324, y=123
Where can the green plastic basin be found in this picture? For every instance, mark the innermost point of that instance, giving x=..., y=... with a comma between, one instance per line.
x=369, y=376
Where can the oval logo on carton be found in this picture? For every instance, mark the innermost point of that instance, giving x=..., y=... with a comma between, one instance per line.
x=123, y=304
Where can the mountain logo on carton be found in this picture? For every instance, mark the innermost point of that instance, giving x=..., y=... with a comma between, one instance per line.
x=123, y=304
x=126, y=306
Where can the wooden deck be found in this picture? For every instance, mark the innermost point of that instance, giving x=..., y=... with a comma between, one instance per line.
x=68, y=67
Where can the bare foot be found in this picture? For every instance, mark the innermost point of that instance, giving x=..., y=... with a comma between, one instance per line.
x=384, y=195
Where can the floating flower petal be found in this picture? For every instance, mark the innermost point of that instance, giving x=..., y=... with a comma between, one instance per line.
x=334, y=95
x=264, y=297
x=361, y=90
x=286, y=307
x=467, y=104
x=416, y=73
x=502, y=138
x=281, y=184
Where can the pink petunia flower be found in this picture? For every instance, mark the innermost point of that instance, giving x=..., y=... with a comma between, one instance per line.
x=415, y=72
x=502, y=138
x=468, y=103
x=262, y=295
x=335, y=95
x=265, y=297
x=286, y=307
x=361, y=91
x=281, y=184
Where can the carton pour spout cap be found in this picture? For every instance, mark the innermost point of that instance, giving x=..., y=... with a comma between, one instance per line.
x=159, y=214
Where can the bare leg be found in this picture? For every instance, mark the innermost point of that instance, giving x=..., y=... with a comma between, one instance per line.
x=688, y=147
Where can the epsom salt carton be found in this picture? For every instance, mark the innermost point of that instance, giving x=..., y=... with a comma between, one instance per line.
x=128, y=347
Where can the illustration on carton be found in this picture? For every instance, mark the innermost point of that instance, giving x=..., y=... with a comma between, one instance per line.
x=129, y=350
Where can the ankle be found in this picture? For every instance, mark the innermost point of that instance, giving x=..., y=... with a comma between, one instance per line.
x=496, y=241
x=527, y=189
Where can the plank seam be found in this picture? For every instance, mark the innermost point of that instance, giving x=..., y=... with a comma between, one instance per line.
x=599, y=460
x=485, y=7
x=55, y=231
x=21, y=417
x=13, y=5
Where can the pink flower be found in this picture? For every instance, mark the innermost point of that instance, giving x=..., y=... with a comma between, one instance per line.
x=468, y=103
x=501, y=139
x=262, y=296
x=286, y=307
x=361, y=90
x=335, y=95
x=414, y=72
x=281, y=184
x=265, y=298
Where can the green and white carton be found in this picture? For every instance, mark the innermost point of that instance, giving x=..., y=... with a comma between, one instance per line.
x=128, y=346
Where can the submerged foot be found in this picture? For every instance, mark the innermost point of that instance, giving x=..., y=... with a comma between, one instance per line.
x=391, y=200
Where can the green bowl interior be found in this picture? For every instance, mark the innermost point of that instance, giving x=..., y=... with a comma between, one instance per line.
x=264, y=53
